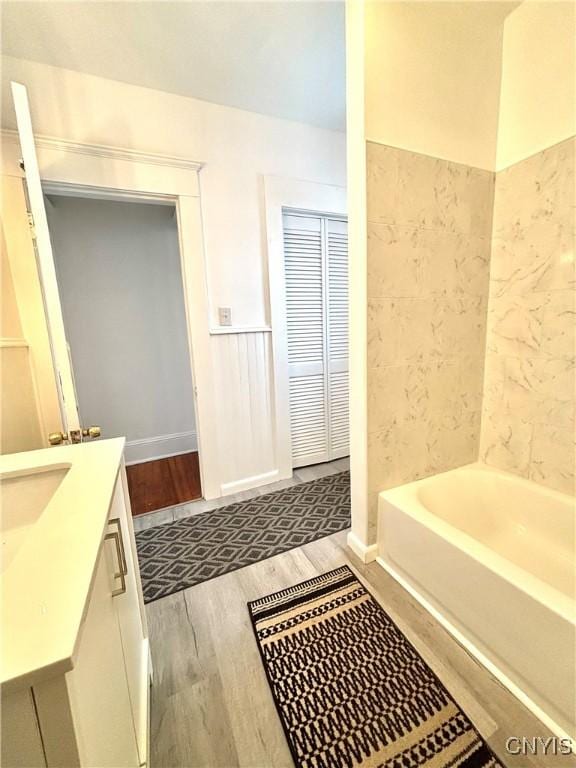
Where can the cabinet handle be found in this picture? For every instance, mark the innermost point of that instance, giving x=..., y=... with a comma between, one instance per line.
x=120, y=554
x=116, y=521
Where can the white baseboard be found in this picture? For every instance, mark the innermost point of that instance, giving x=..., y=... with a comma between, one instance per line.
x=366, y=552
x=160, y=447
x=246, y=483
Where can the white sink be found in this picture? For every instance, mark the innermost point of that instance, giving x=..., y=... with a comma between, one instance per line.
x=23, y=497
x=55, y=504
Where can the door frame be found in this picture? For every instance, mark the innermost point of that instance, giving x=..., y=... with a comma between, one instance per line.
x=104, y=172
x=279, y=195
x=105, y=194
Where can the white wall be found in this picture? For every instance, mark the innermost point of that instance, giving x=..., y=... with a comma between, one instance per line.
x=238, y=147
x=120, y=282
x=357, y=258
x=432, y=77
x=482, y=83
x=538, y=104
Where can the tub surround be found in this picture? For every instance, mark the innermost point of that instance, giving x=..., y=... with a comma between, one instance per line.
x=429, y=229
x=530, y=385
x=471, y=317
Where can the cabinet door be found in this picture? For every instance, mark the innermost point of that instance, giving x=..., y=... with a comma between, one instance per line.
x=131, y=617
x=21, y=744
x=97, y=686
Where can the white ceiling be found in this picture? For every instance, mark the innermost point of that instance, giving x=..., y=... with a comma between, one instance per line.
x=285, y=59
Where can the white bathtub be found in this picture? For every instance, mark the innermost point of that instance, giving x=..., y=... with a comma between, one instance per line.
x=492, y=557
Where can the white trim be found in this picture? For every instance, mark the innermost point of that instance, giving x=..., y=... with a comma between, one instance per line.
x=357, y=263
x=160, y=447
x=70, y=189
x=366, y=553
x=7, y=343
x=161, y=438
x=226, y=329
x=46, y=271
x=280, y=194
x=157, y=457
x=107, y=152
x=99, y=171
x=193, y=264
x=461, y=638
x=247, y=483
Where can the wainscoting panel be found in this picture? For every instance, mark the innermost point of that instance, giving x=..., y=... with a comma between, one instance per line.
x=19, y=418
x=246, y=414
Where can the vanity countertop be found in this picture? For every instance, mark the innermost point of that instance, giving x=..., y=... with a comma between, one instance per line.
x=55, y=509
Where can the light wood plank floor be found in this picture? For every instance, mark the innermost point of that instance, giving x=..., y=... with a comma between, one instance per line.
x=211, y=705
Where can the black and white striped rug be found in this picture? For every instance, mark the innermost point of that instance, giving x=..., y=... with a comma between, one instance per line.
x=350, y=689
x=178, y=555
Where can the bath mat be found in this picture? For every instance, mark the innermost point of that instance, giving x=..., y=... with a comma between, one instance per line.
x=178, y=555
x=349, y=687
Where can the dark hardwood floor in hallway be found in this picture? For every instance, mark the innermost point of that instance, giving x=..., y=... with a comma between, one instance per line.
x=164, y=482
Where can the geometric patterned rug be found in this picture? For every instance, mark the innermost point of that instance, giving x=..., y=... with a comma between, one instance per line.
x=349, y=687
x=175, y=556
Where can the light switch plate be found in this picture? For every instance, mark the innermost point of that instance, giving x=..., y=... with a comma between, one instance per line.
x=225, y=315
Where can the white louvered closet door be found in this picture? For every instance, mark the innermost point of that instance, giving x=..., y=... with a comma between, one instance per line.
x=337, y=341
x=315, y=265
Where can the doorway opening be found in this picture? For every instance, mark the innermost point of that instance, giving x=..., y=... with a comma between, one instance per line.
x=119, y=276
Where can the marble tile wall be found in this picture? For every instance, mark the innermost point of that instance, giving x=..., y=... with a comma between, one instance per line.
x=429, y=232
x=528, y=424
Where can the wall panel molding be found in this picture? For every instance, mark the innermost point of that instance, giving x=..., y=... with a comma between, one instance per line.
x=228, y=329
x=244, y=392
x=6, y=343
x=107, y=152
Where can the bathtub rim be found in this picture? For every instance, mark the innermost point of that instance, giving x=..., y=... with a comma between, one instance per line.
x=405, y=498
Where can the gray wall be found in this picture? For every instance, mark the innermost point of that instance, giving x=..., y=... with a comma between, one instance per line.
x=120, y=282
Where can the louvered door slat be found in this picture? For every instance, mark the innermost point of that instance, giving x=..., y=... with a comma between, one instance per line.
x=304, y=274
x=338, y=396
x=316, y=274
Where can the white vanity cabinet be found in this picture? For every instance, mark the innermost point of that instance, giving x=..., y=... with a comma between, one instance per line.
x=95, y=714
